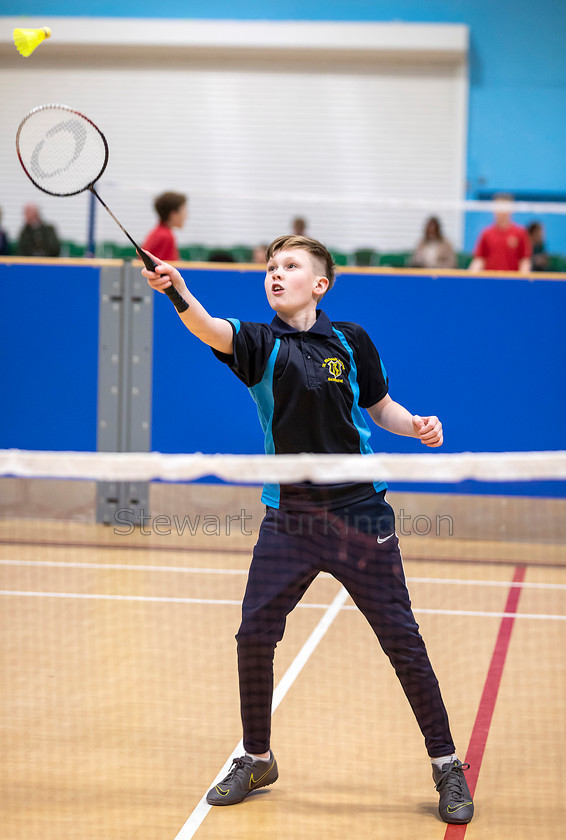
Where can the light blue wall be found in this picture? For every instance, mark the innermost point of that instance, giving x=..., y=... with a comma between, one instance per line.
x=517, y=114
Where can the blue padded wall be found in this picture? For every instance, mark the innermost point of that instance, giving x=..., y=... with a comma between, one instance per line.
x=49, y=350
x=483, y=354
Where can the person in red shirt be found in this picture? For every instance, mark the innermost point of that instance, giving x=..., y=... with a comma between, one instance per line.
x=504, y=246
x=171, y=207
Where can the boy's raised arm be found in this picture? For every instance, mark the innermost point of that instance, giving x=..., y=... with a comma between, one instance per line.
x=393, y=417
x=216, y=332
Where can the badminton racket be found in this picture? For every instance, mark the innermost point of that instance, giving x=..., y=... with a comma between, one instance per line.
x=64, y=153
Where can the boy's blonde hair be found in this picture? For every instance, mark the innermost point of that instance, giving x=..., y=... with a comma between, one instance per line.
x=315, y=248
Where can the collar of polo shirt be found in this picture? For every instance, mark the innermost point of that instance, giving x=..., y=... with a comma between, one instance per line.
x=321, y=326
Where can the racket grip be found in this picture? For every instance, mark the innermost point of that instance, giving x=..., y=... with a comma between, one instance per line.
x=178, y=302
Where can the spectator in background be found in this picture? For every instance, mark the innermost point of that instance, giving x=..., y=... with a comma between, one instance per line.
x=299, y=226
x=433, y=251
x=504, y=246
x=37, y=238
x=171, y=207
x=4, y=243
x=220, y=256
x=539, y=259
x=258, y=255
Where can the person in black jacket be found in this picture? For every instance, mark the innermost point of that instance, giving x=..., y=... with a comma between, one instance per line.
x=4, y=242
x=37, y=238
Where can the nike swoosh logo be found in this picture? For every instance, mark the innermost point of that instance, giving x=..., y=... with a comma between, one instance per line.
x=222, y=792
x=451, y=810
x=255, y=781
x=384, y=539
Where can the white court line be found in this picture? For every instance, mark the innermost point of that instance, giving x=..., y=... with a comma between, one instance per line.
x=507, y=584
x=211, y=571
x=65, y=564
x=221, y=602
x=149, y=598
x=485, y=614
x=194, y=821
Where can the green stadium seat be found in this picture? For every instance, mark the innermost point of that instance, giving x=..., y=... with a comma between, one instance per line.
x=193, y=253
x=365, y=256
x=242, y=253
x=339, y=258
x=394, y=260
x=556, y=262
x=126, y=252
x=65, y=248
x=464, y=260
x=108, y=251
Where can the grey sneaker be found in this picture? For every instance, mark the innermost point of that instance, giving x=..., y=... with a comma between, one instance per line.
x=245, y=775
x=455, y=804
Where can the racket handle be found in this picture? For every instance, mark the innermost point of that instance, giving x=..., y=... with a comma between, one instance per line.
x=178, y=302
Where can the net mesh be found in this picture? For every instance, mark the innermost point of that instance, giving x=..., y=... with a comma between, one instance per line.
x=62, y=151
x=122, y=583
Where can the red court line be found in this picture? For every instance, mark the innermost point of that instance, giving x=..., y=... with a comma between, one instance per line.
x=480, y=732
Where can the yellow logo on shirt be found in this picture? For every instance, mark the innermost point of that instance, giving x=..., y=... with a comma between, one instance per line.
x=335, y=368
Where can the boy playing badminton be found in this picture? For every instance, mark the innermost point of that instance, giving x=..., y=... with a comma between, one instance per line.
x=310, y=378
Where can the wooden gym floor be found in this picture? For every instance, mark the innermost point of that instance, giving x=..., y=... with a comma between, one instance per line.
x=119, y=694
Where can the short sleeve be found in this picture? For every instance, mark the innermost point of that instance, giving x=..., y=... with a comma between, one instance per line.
x=161, y=242
x=482, y=249
x=372, y=377
x=253, y=344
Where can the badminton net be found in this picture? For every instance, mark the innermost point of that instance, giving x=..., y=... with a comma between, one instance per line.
x=119, y=629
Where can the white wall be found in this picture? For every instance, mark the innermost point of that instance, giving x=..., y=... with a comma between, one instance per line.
x=255, y=135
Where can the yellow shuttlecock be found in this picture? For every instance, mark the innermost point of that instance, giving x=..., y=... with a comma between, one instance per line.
x=26, y=40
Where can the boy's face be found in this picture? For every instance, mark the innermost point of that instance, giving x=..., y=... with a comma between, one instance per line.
x=178, y=217
x=502, y=213
x=293, y=281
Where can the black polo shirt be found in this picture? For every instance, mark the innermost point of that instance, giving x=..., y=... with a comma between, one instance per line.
x=309, y=388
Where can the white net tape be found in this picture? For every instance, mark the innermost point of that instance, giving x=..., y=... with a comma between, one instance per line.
x=285, y=469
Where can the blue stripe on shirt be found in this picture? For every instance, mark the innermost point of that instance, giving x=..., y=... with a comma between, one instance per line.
x=357, y=417
x=262, y=394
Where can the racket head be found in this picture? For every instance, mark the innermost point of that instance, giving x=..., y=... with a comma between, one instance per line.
x=61, y=151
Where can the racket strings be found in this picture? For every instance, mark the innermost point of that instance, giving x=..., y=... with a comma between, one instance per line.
x=62, y=152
